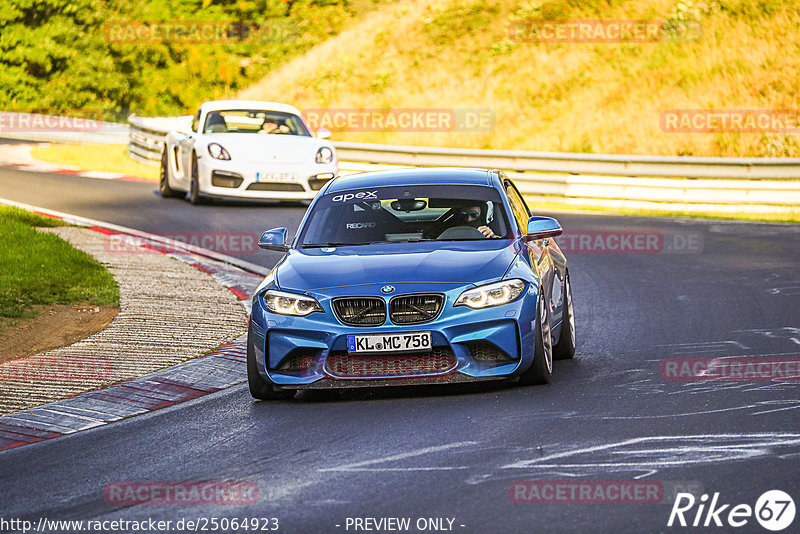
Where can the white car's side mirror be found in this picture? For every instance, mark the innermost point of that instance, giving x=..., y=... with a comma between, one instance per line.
x=323, y=133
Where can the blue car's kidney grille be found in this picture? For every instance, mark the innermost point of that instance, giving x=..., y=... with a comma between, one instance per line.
x=360, y=311
x=414, y=309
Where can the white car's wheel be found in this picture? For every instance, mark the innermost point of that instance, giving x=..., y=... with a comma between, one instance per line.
x=194, y=185
x=163, y=180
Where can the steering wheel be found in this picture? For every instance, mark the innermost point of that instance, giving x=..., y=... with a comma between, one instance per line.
x=461, y=232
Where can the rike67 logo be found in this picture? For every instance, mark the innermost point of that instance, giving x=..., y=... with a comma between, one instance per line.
x=774, y=510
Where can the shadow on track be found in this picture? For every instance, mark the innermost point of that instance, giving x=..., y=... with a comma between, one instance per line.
x=311, y=396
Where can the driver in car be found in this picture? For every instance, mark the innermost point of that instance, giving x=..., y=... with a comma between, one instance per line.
x=473, y=216
x=269, y=127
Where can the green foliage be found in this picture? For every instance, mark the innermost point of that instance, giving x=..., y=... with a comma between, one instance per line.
x=755, y=9
x=41, y=268
x=502, y=47
x=562, y=9
x=584, y=146
x=458, y=18
x=779, y=145
x=68, y=57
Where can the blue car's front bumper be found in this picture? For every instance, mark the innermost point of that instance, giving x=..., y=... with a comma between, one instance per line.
x=491, y=343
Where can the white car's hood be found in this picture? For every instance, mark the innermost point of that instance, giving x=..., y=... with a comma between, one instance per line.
x=267, y=148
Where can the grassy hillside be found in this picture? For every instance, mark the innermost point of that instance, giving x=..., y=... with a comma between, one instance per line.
x=578, y=97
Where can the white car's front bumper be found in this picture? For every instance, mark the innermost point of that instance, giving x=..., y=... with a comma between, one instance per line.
x=278, y=181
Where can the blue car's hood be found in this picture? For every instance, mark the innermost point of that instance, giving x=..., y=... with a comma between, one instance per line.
x=450, y=262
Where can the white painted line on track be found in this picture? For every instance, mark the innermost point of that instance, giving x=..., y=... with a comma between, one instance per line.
x=402, y=456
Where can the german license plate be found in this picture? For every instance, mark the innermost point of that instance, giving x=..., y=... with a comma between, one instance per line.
x=412, y=341
x=276, y=177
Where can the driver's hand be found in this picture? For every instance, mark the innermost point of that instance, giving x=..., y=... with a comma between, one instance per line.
x=486, y=231
x=268, y=128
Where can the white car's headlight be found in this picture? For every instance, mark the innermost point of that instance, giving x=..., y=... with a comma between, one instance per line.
x=491, y=294
x=290, y=303
x=324, y=155
x=217, y=151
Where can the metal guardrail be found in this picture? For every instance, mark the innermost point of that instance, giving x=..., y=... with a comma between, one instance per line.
x=146, y=137
x=572, y=163
x=767, y=184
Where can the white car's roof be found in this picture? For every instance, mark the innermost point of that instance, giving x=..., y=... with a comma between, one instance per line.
x=216, y=105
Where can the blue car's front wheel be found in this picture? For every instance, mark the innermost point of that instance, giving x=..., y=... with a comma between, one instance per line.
x=565, y=348
x=542, y=367
x=259, y=388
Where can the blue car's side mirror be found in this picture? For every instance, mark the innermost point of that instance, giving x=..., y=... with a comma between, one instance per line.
x=274, y=239
x=542, y=227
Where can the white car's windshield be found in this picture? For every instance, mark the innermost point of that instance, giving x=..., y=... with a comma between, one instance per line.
x=257, y=121
x=406, y=214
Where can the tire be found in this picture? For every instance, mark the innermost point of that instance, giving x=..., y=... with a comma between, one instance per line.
x=194, y=186
x=259, y=388
x=565, y=348
x=541, y=369
x=163, y=181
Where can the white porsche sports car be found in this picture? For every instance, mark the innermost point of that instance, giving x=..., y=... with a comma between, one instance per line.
x=247, y=149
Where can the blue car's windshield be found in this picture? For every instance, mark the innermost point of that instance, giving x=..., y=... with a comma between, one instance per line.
x=406, y=214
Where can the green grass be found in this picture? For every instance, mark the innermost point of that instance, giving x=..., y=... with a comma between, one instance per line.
x=37, y=268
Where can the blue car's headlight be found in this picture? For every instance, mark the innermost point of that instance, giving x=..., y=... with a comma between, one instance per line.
x=324, y=155
x=290, y=303
x=491, y=294
x=217, y=151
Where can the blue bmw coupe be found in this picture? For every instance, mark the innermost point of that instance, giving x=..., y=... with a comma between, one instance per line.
x=413, y=276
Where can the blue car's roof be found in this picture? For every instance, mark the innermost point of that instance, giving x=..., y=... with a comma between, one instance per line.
x=412, y=176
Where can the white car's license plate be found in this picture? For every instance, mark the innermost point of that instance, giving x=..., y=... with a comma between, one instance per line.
x=276, y=177
x=411, y=341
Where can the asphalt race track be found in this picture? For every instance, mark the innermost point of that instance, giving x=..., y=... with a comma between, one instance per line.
x=707, y=289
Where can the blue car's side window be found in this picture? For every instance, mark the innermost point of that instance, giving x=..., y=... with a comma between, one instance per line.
x=518, y=206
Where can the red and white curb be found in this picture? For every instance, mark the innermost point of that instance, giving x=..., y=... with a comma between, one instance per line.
x=18, y=156
x=218, y=370
x=100, y=175
x=222, y=368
